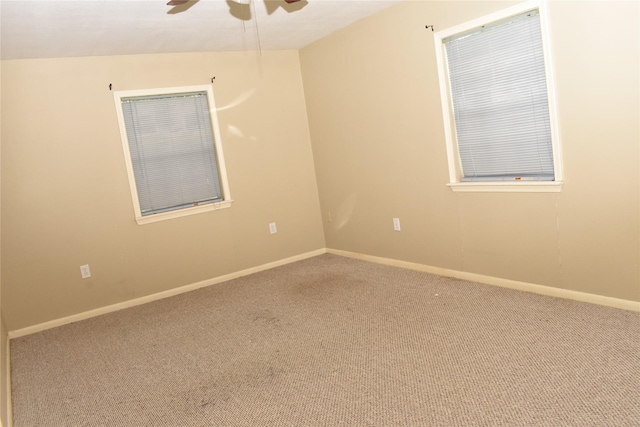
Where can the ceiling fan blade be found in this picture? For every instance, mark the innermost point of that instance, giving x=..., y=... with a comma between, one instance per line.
x=177, y=2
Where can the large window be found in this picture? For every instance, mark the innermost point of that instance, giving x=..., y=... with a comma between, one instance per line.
x=173, y=152
x=498, y=103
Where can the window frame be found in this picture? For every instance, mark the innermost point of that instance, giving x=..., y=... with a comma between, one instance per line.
x=217, y=143
x=454, y=163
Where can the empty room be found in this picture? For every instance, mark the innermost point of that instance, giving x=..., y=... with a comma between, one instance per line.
x=319, y=213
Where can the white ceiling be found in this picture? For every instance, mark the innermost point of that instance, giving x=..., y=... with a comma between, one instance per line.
x=67, y=28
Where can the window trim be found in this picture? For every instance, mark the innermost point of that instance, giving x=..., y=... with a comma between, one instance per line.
x=455, y=168
x=217, y=142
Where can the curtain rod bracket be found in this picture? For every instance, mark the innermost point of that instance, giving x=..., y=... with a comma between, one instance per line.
x=429, y=26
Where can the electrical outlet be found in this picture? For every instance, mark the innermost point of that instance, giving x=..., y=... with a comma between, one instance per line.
x=84, y=271
x=272, y=228
x=396, y=224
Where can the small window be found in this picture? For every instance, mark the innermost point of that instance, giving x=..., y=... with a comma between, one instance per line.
x=498, y=103
x=173, y=152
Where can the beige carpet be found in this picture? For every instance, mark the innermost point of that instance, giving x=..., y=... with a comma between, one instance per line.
x=331, y=341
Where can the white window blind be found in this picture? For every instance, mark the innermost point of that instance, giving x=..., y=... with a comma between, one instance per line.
x=172, y=151
x=500, y=103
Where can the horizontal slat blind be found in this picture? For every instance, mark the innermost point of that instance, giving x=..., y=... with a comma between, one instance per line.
x=500, y=103
x=172, y=151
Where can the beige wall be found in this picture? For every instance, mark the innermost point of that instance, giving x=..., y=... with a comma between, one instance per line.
x=375, y=122
x=66, y=199
x=4, y=339
x=377, y=135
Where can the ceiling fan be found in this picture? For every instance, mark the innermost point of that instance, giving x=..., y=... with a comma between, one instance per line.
x=179, y=2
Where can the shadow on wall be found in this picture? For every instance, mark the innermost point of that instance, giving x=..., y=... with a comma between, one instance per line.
x=345, y=211
x=243, y=97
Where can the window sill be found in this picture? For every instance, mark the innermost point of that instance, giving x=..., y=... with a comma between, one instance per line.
x=506, y=187
x=141, y=220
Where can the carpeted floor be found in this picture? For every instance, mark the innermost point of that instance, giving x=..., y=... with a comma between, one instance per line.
x=331, y=341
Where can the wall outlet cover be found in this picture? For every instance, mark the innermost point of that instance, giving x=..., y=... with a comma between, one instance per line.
x=85, y=272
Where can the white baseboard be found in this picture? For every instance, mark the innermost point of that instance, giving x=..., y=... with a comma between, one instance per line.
x=489, y=280
x=8, y=374
x=496, y=281
x=158, y=296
